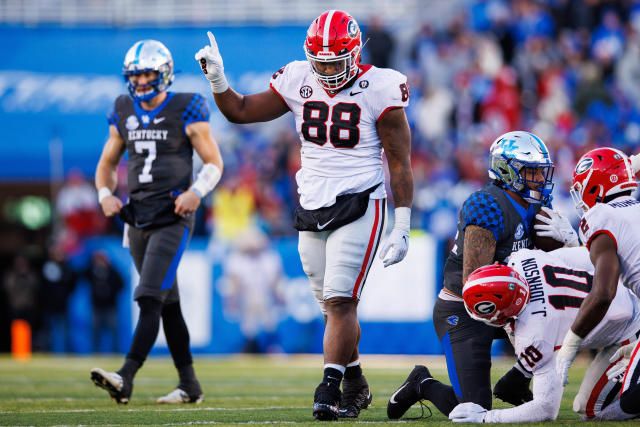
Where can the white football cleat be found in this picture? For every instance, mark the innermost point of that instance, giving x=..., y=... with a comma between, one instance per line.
x=113, y=383
x=180, y=396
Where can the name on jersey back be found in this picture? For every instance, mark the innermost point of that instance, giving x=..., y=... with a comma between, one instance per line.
x=536, y=291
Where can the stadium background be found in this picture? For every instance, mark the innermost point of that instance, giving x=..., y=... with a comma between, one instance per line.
x=566, y=70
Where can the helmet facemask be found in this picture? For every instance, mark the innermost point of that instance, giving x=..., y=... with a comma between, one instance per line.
x=517, y=176
x=345, y=63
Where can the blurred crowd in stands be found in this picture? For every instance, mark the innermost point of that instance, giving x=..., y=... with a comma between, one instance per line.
x=566, y=70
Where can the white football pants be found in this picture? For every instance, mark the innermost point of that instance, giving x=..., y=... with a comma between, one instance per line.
x=337, y=261
x=596, y=389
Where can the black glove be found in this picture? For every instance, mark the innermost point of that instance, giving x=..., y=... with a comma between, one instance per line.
x=513, y=388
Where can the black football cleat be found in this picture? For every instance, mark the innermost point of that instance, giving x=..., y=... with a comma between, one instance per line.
x=326, y=401
x=356, y=396
x=119, y=389
x=408, y=393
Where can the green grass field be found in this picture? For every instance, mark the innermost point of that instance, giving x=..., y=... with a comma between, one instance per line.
x=51, y=390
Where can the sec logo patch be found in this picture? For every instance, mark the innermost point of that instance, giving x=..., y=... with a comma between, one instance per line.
x=306, y=91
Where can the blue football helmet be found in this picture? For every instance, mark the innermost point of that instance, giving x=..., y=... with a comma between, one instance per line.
x=516, y=159
x=144, y=56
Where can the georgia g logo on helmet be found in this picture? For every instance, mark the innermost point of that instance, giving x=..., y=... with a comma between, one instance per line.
x=584, y=165
x=352, y=29
x=485, y=307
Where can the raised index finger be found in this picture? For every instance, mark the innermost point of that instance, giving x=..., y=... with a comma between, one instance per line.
x=212, y=40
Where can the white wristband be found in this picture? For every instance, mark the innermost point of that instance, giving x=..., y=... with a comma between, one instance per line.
x=571, y=342
x=403, y=218
x=219, y=84
x=207, y=179
x=103, y=193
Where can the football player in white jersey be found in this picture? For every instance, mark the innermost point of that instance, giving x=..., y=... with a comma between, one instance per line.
x=536, y=298
x=603, y=182
x=346, y=113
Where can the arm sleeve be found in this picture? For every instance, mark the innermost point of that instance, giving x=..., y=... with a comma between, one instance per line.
x=196, y=111
x=482, y=209
x=547, y=397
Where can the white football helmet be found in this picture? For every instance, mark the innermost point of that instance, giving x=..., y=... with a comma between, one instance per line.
x=144, y=56
x=514, y=151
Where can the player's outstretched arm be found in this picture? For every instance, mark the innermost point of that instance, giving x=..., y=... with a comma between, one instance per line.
x=547, y=398
x=237, y=108
x=604, y=257
x=393, y=131
x=199, y=134
x=107, y=172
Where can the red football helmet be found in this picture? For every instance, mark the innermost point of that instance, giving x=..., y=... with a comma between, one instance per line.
x=601, y=173
x=495, y=294
x=333, y=48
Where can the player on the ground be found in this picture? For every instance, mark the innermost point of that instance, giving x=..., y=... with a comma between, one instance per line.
x=603, y=182
x=159, y=130
x=536, y=299
x=346, y=113
x=494, y=222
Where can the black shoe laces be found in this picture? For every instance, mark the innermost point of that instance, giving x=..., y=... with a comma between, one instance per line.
x=423, y=407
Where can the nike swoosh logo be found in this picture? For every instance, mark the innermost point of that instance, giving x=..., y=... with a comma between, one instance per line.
x=158, y=120
x=320, y=227
x=392, y=400
x=354, y=93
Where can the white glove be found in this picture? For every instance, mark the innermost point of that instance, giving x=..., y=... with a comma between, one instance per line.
x=557, y=227
x=468, y=412
x=397, y=244
x=211, y=63
x=566, y=355
x=617, y=371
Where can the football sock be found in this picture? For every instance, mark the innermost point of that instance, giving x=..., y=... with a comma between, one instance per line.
x=353, y=372
x=187, y=376
x=146, y=329
x=175, y=329
x=332, y=376
x=613, y=412
x=441, y=395
x=129, y=369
